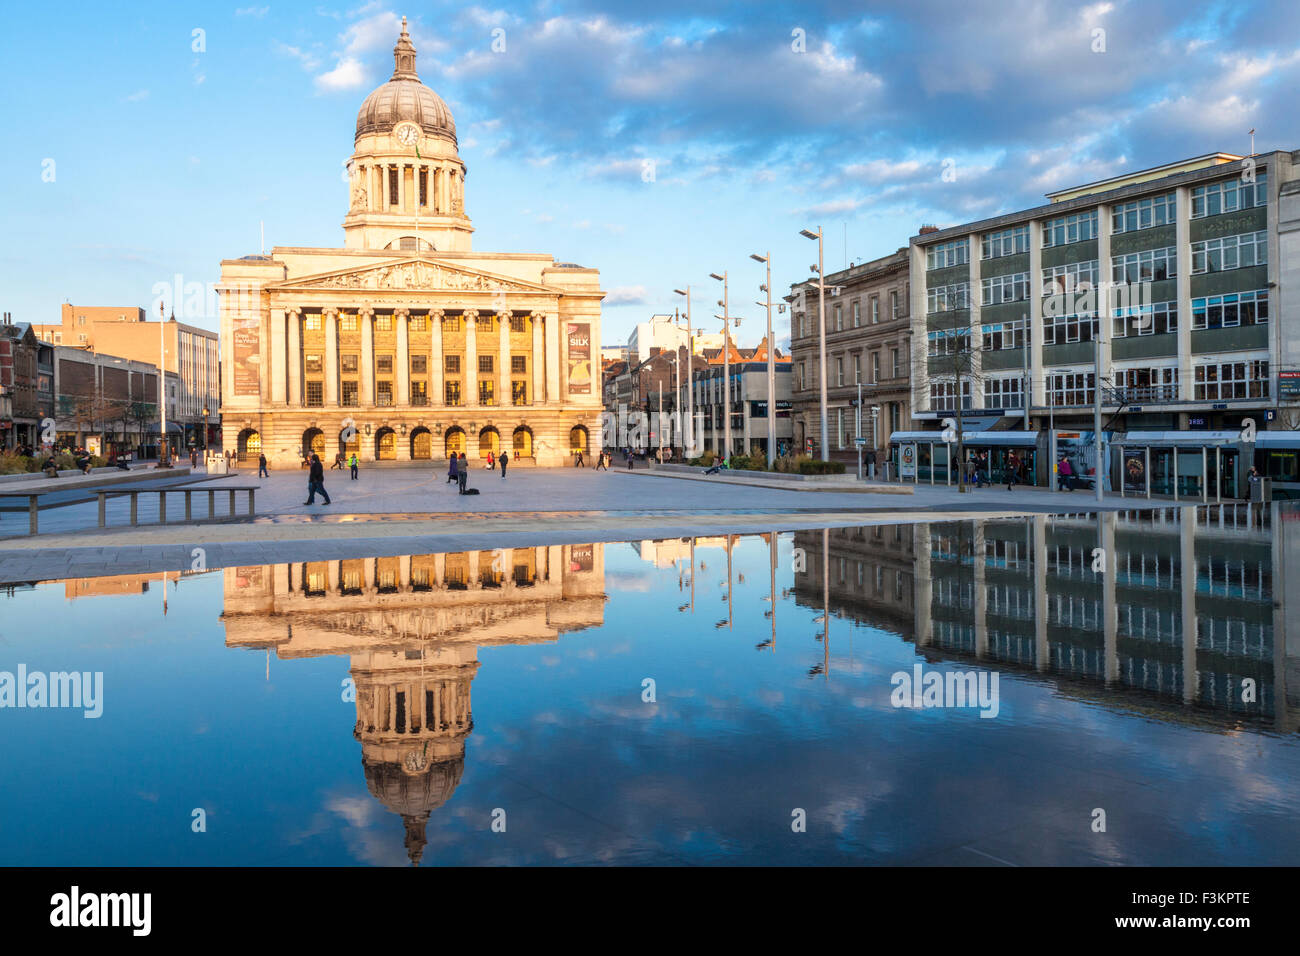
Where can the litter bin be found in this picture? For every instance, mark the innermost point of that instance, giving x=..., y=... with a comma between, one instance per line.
x=1261, y=490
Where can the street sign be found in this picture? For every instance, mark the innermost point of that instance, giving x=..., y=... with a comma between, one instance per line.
x=860, y=442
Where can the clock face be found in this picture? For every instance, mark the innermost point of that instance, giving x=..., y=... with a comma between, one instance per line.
x=408, y=134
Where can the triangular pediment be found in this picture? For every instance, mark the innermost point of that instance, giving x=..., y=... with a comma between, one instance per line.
x=421, y=273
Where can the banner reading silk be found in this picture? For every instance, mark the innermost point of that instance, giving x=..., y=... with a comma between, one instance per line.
x=579, y=334
x=248, y=357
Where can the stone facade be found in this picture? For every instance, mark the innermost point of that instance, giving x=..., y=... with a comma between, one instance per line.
x=406, y=344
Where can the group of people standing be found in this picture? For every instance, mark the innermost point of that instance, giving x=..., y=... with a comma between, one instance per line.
x=458, y=469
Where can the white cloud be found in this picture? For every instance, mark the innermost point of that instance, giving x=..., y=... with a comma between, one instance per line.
x=137, y=96
x=308, y=61
x=348, y=75
x=626, y=295
x=258, y=12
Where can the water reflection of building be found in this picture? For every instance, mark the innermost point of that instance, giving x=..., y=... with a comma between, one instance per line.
x=1024, y=593
x=411, y=626
x=870, y=574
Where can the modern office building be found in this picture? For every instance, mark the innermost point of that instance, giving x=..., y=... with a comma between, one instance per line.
x=749, y=401
x=1179, y=272
x=189, y=353
x=868, y=343
x=404, y=343
x=665, y=333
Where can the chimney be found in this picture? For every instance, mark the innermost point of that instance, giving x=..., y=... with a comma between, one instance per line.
x=928, y=227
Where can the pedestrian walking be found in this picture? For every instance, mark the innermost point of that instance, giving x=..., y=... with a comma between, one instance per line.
x=262, y=470
x=352, y=464
x=577, y=461
x=462, y=473
x=1066, y=471
x=600, y=461
x=338, y=462
x=505, y=460
x=1013, y=468
x=316, y=481
x=491, y=462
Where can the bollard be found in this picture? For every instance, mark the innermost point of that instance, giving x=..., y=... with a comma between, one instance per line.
x=232, y=502
x=135, y=496
x=103, y=509
x=251, y=511
x=187, y=506
x=162, y=507
x=31, y=511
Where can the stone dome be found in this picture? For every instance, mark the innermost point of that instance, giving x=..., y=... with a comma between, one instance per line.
x=413, y=795
x=405, y=99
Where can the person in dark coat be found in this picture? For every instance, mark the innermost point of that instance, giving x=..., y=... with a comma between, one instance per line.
x=452, y=470
x=462, y=473
x=505, y=460
x=261, y=467
x=316, y=481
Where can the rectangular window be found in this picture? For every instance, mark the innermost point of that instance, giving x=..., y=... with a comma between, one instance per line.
x=1007, y=242
x=519, y=393
x=313, y=364
x=451, y=364
x=875, y=309
x=451, y=393
x=392, y=186
x=419, y=392
x=944, y=254
x=518, y=364
x=875, y=367
x=384, y=323
x=1224, y=311
x=419, y=364
x=348, y=363
x=518, y=323
x=1003, y=393
x=1229, y=195
x=839, y=371
x=487, y=392
x=1070, y=278
x=857, y=313
x=949, y=342
x=839, y=317
x=1156, y=318
x=1071, y=388
x=857, y=368
x=315, y=394
x=452, y=323
x=1003, y=335
x=1067, y=229
x=947, y=298
x=1139, y=385
x=893, y=359
x=1063, y=329
x=1231, y=380
x=419, y=323
x=313, y=322
x=349, y=393
x=384, y=364
x=424, y=187
x=1142, y=213
x=893, y=304
x=485, y=364
x=1011, y=288
x=943, y=395
x=1230, y=252
x=348, y=322
x=485, y=323
x=384, y=394
x=1151, y=265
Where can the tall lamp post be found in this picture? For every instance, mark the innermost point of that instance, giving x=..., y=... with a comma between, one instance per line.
x=771, y=364
x=821, y=332
x=726, y=364
x=164, y=450
x=205, y=433
x=690, y=376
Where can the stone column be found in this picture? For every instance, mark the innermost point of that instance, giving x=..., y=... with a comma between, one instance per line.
x=330, y=319
x=538, y=361
x=552, y=333
x=562, y=392
x=404, y=573
x=435, y=357
x=278, y=370
x=366, y=323
x=470, y=375
x=503, y=363
x=403, y=359
x=401, y=187
x=295, y=396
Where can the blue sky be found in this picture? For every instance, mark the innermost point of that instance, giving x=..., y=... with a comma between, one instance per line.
x=164, y=158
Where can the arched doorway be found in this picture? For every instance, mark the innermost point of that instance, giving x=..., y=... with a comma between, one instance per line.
x=577, y=440
x=489, y=440
x=386, y=444
x=249, y=444
x=522, y=440
x=349, y=443
x=421, y=444
x=313, y=442
x=454, y=441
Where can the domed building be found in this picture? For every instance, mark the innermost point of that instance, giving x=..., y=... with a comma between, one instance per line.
x=406, y=343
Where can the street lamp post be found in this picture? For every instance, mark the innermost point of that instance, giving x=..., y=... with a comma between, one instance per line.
x=771, y=365
x=205, y=433
x=726, y=364
x=690, y=375
x=163, y=450
x=821, y=333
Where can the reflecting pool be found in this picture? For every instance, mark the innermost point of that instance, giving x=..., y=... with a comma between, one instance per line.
x=1121, y=688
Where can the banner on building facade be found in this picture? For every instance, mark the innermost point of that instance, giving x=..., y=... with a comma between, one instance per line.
x=579, y=334
x=247, y=346
x=1135, y=472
